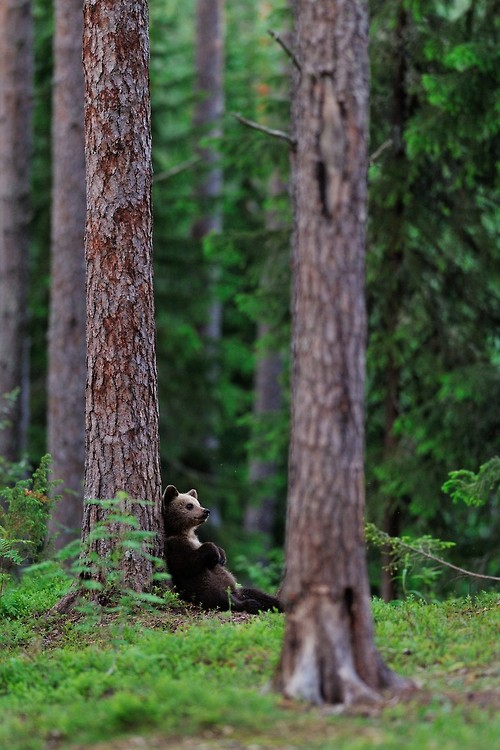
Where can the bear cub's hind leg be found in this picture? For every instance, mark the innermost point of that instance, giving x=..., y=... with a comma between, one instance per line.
x=253, y=601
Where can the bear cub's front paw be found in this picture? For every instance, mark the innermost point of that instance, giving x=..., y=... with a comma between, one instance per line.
x=211, y=554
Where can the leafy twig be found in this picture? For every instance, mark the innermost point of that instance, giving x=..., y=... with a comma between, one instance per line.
x=474, y=489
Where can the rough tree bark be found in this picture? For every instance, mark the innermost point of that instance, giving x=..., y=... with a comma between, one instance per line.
x=122, y=444
x=66, y=376
x=328, y=653
x=16, y=81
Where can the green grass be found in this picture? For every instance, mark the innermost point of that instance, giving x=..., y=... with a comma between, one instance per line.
x=182, y=679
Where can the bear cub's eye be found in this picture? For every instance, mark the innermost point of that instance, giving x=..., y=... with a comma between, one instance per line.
x=190, y=506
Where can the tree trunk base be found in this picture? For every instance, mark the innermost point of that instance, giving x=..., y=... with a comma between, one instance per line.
x=67, y=603
x=323, y=661
x=78, y=595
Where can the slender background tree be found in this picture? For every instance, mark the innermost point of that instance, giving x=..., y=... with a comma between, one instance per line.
x=66, y=367
x=207, y=122
x=261, y=511
x=16, y=99
x=390, y=305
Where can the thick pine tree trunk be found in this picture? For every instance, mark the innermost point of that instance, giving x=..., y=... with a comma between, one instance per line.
x=66, y=377
x=122, y=444
x=16, y=81
x=328, y=653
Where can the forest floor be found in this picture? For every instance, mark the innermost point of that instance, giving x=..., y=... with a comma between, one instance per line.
x=175, y=677
x=315, y=729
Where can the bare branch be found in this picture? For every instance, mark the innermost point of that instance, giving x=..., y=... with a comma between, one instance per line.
x=291, y=54
x=262, y=129
x=182, y=167
x=373, y=158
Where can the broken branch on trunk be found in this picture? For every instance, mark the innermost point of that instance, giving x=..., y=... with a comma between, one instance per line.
x=291, y=54
x=280, y=134
x=177, y=169
x=386, y=144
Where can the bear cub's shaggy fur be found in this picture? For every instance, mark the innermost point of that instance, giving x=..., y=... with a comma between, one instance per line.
x=198, y=570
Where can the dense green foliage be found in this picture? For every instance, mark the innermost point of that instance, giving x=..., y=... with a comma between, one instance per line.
x=432, y=265
x=434, y=302
x=475, y=489
x=179, y=673
x=24, y=513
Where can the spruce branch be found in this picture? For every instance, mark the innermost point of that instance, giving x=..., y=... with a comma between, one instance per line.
x=280, y=134
x=291, y=54
x=474, y=489
x=440, y=561
x=397, y=545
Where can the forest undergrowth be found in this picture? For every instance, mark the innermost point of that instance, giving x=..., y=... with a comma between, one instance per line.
x=172, y=676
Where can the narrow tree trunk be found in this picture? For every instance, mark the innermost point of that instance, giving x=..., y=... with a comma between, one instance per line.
x=328, y=653
x=392, y=514
x=16, y=81
x=267, y=389
x=209, y=64
x=260, y=517
x=122, y=445
x=66, y=378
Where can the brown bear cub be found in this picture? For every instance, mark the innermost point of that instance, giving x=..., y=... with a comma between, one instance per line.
x=198, y=570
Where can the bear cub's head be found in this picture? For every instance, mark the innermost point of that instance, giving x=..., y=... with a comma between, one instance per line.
x=182, y=511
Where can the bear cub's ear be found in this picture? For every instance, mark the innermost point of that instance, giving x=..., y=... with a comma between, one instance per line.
x=170, y=493
x=193, y=493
